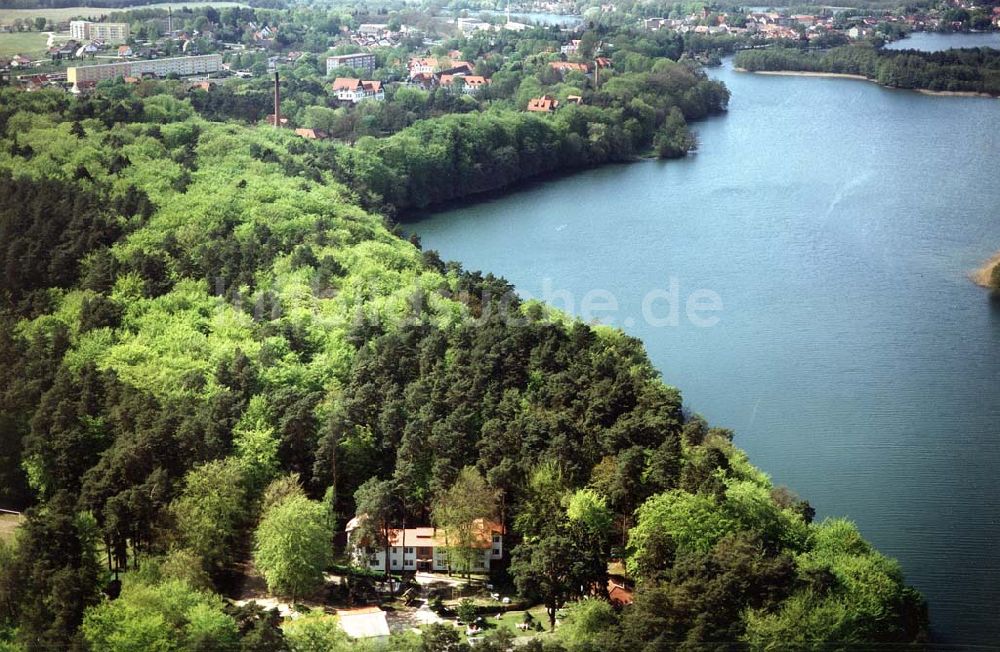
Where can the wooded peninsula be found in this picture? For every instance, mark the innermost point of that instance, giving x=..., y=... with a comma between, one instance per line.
x=225, y=368
x=966, y=71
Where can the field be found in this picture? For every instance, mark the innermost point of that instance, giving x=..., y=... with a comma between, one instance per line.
x=28, y=43
x=7, y=16
x=8, y=523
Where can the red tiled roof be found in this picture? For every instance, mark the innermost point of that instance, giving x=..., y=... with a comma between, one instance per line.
x=544, y=104
x=345, y=83
x=569, y=65
x=619, y=594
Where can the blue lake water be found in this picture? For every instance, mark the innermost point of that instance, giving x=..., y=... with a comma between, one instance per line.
x=936, y=41
x=836, y=221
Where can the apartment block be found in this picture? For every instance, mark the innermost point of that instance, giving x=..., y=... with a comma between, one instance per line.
x=84, y=30
x=182, y=66
x=362, y=62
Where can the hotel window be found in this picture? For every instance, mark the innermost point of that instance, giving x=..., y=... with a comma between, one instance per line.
x=408, y=551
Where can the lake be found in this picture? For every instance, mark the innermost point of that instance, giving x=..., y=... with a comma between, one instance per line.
x=836, y=221
x=937, y=41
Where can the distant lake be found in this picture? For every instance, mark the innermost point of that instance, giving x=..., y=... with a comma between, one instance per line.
x=937, y=41
x=837, y=221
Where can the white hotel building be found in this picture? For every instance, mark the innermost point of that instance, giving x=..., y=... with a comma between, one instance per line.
x=425, y=549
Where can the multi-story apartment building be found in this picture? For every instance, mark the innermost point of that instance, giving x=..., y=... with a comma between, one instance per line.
x=182, y=66
x=362, y=62
x=84, y=30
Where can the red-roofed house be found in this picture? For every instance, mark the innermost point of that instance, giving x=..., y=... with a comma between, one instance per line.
x=619, y=594
x=353, y=90
x=421, y=65
x=471, y=84
x=563, y=67
x=312, y=134
x=543, y=104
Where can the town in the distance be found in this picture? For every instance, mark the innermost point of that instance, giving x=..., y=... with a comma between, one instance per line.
x=361, y=55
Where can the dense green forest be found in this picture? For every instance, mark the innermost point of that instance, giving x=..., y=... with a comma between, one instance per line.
x=972, y=70
x=207, y=337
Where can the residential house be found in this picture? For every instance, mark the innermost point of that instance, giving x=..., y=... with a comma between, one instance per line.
x=474, y=84
x=461, y=68
x=421, y=66
x=543, y=104
x=424, y=548
x=87, y=50
x=373, y=29
x=571, y=48
x=349, y=89
x=471, y=84
x=563, y=67
x=312, y=134
x=619, y=594
x=20, y=61
x=124, y=51
x=65, y=51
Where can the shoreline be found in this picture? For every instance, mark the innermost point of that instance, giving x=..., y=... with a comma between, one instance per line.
x=844, y=75
x=984, y=274
x=804, y=73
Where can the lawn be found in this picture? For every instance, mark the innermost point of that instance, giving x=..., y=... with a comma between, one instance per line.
x=512, y=618
x=7, y=16
x=8, y=523
x=28, y=43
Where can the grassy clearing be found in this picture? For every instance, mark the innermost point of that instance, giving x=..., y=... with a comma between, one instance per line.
x=511, y=619
x=7, y=16
x=28, y=43
x=8, y=523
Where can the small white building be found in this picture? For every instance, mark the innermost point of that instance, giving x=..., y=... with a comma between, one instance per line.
x=425, y=548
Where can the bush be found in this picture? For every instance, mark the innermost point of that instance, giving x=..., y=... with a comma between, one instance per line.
x=467, y=611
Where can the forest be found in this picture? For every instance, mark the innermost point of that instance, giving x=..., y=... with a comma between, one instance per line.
x=217, y=351
x=971, y=70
